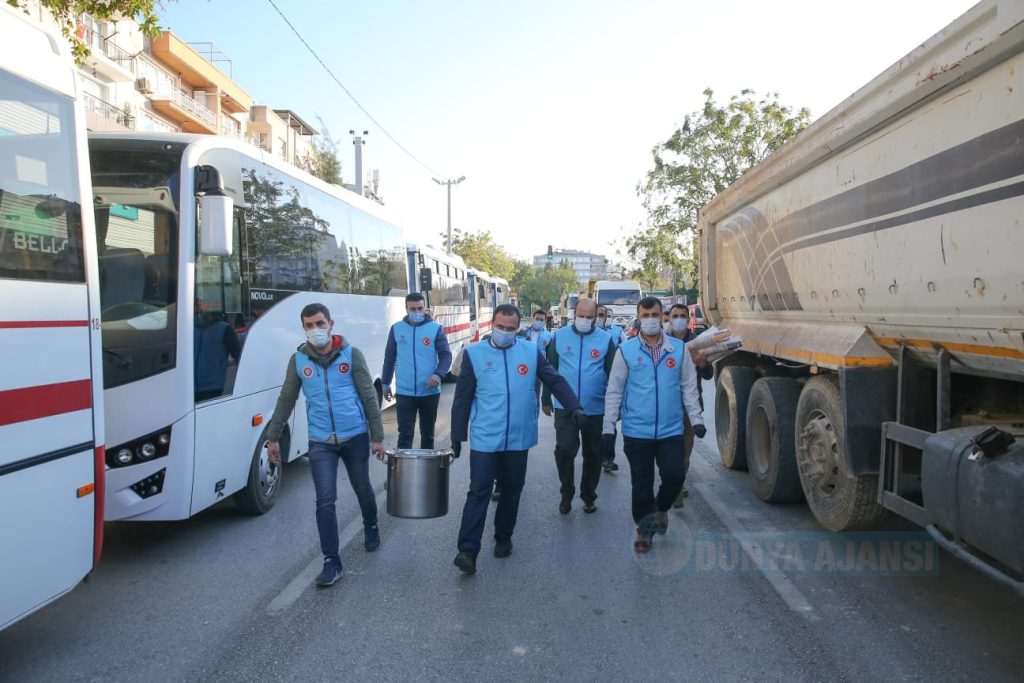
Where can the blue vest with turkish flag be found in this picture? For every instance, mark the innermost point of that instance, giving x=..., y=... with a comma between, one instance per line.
x=504, y=414
x=333, y=406
x=581, y=360
x=652, y=404
x=417, y=357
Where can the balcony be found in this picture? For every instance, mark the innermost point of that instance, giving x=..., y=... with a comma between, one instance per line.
x=192, y=116
x=230, y=131
x=198, y=73
x=107, y=57
x=103, y=116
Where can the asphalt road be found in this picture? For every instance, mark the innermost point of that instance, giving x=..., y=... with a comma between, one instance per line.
x=229, y=597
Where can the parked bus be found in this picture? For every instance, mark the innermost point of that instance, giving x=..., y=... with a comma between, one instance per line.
x=444, y=280
x=186, y=412
x=51, y=409
x=487, y=293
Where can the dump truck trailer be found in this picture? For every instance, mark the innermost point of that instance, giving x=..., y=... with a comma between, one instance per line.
x=874, y=268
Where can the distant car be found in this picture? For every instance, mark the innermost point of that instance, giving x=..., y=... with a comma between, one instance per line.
x=697, y=322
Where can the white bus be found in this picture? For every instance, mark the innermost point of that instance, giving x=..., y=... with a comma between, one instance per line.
x=185, y=410
x=486, y=293
x=51, y=415
x=444, y=280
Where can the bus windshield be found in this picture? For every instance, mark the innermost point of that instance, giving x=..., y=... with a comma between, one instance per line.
x=135, y=186
x=618, y=297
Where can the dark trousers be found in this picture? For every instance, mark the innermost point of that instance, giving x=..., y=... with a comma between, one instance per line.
x=567, y=442
x=323, y=464
x=508, y=468
x=407, y=407
x=643, y=455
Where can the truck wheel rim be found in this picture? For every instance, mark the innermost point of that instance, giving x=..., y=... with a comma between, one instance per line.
x=820, y=451
x=723, y=419
x=761, y=439
x=269, y=473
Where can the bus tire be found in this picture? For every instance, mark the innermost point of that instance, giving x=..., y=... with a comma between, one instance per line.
x=732, y=391
x=771, y=443
x=264, y=482
x=839, y=499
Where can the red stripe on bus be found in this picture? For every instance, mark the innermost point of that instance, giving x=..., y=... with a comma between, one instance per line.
x=485, y=323
x=32, y=403
x=456, y=328
x=23, y=324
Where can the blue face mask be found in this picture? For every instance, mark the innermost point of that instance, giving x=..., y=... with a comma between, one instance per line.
x=538, y=325
x=417, y=317
x=503, y=339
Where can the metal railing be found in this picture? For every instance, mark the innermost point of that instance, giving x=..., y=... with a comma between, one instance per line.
x=188, y=104
x=107, y=47
x=107, y=110
x=227, y=130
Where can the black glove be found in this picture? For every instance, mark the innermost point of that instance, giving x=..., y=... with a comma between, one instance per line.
x=579, y=417
x=700, y=431
x=456, y=448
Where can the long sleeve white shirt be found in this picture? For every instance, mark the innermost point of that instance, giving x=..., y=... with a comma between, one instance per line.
x=620, y=374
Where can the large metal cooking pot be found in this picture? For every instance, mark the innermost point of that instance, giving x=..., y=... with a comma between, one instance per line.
x=418, y=482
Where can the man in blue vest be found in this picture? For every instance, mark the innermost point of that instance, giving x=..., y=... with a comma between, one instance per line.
x=341, y=407
x=583, y=356
x=604, y=322
x=537, y=332
x=420, y=347
x=652, y=386
x=495, y=406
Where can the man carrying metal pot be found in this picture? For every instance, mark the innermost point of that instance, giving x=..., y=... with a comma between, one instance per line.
x=495, y=406
x=341, y=407
x=583, y=356
x=420, y=347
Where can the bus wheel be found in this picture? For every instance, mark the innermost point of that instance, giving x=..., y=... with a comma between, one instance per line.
x=731, y=394
x=260, y=491
x=839, y=499
x=771, y=457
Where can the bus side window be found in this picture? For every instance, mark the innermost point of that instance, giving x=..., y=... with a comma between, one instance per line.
x=218, y=336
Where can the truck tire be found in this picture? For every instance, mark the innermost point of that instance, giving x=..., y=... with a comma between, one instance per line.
x=264, y=482
x=731, y=393
x=771, y=446
x=839, y=499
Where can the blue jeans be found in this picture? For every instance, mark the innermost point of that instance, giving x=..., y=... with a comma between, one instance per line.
x=509, y=469
x=323, y=463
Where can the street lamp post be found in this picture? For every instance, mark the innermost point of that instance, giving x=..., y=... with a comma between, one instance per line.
x=449, y=184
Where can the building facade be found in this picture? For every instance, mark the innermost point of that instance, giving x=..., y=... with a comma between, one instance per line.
x=587, y=266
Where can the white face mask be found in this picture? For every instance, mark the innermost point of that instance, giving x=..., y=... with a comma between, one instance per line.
x=584, y=325
x=679, y=324
x=318, y=336
x=650, y=326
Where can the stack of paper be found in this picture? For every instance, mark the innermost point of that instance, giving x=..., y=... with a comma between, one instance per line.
x=716, y=343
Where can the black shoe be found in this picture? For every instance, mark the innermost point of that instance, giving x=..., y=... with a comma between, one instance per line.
x=371, y=538
x=610, y=466
x=565, y=507
x=503, y=548
x=330, y=574
x=466, y=562
x=589, y=507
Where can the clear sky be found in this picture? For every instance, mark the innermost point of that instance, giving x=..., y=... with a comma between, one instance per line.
x=550, y=108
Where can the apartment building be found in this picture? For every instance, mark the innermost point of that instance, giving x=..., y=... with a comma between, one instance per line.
x=587, y=266
x=133, y=82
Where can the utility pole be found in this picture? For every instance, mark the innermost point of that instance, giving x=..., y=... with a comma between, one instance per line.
x=358, y=142
x=449, y=184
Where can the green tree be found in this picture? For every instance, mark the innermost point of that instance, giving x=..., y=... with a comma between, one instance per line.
x=324, y=161
x=547, y=285
x=479, y=250
x=66, y=13
x=710, y=151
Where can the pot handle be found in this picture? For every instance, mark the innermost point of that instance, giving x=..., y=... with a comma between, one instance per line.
x=447, y=456
x=390, y=453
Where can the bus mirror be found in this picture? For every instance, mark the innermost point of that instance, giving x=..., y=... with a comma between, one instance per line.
x=426, y=279
x=216, y=225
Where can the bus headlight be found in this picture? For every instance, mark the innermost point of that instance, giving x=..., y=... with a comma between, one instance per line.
x=164, y=439
x=123, y=456
x=147, y=451
x=143, y=449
